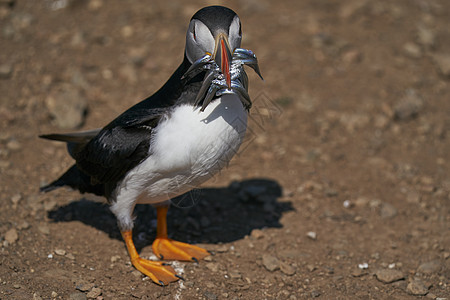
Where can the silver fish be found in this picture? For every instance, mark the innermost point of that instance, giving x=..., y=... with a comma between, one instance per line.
x=197, y=67
x=214, y=82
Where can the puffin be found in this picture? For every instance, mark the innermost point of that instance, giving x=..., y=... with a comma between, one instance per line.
x=169, y=143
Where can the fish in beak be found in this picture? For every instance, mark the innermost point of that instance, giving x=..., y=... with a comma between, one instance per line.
x=222, y=56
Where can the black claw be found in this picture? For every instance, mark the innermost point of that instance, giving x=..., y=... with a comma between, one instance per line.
x=194, y=259
x=161, y=256
x=179, y=277
x=211, y=252
x=164, y=264
x=161, y=283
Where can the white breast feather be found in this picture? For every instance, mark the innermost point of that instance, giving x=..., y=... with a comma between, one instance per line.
x=188, y=148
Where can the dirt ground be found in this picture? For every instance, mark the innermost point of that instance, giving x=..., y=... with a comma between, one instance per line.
x=341, y=190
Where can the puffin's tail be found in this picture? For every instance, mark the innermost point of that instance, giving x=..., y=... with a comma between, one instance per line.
x=75, y=140
x=75, y=179
x=80, y=137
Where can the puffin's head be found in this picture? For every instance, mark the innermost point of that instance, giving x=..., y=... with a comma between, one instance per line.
x=214, y=30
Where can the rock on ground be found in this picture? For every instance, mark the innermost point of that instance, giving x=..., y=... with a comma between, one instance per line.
x=11, y=236
x=430, y=267
x=389, y=275
x=442, y=62
x=270, y=262
x=409, y=106
x=67, y=107
x=417, y=288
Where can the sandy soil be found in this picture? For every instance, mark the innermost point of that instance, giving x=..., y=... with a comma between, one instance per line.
x=341, y=191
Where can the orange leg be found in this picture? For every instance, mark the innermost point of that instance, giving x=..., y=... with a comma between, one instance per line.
x=166, y=248
x=159, y=272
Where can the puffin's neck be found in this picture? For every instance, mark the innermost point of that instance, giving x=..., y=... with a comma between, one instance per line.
x=175, y=84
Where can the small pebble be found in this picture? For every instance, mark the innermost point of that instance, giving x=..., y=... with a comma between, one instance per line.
x=358, y=272
x=426, y=37
x=311, y=268
x=312, y=235
x=127, y=31
x=412, y=50
x=95, y=5
x=115, y=258
x=417, y=288
x=271, y=263
x=67, y=106
x=430, y=267
x=442, y=62
x=23, y=225
x=387, y=211
x=315, y=294
x=78, y=40
x=347, y=204
x=11, y=236
x=13, y=145
x=257, y=234
x=16, y=198
x=208, y=258
x=49, y=205
x=6, y=71
x=352, y=56
x=36, y=296
x=94, y=293
x=389, y=275
x=60, y=252
x=234, y=274
x=431, y=296
x=84, y=286
x=287, y=269
x=44, y=229
x=222, y=248
x=214, y=267
x=363, y=266
x=129, y=73
x=408, y=107
x=330, y=192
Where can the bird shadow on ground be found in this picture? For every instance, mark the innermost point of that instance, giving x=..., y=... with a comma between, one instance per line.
x=207, y=215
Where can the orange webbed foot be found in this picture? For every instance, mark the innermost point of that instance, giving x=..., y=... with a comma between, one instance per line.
x=168, y=249
x=159, y=272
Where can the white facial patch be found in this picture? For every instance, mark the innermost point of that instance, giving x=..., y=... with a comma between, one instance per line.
x=234, y=35
x=203, y=37
x=199, y=40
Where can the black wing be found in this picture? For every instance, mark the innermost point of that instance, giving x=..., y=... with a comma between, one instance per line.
x=120, y=146
x=125, y=142
x=104, y=156
x=116, y=150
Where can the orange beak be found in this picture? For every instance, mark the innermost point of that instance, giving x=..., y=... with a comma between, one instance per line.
x=222, y=55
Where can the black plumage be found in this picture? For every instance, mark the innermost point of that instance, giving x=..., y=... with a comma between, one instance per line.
x=214, y=17
x=103, y=157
